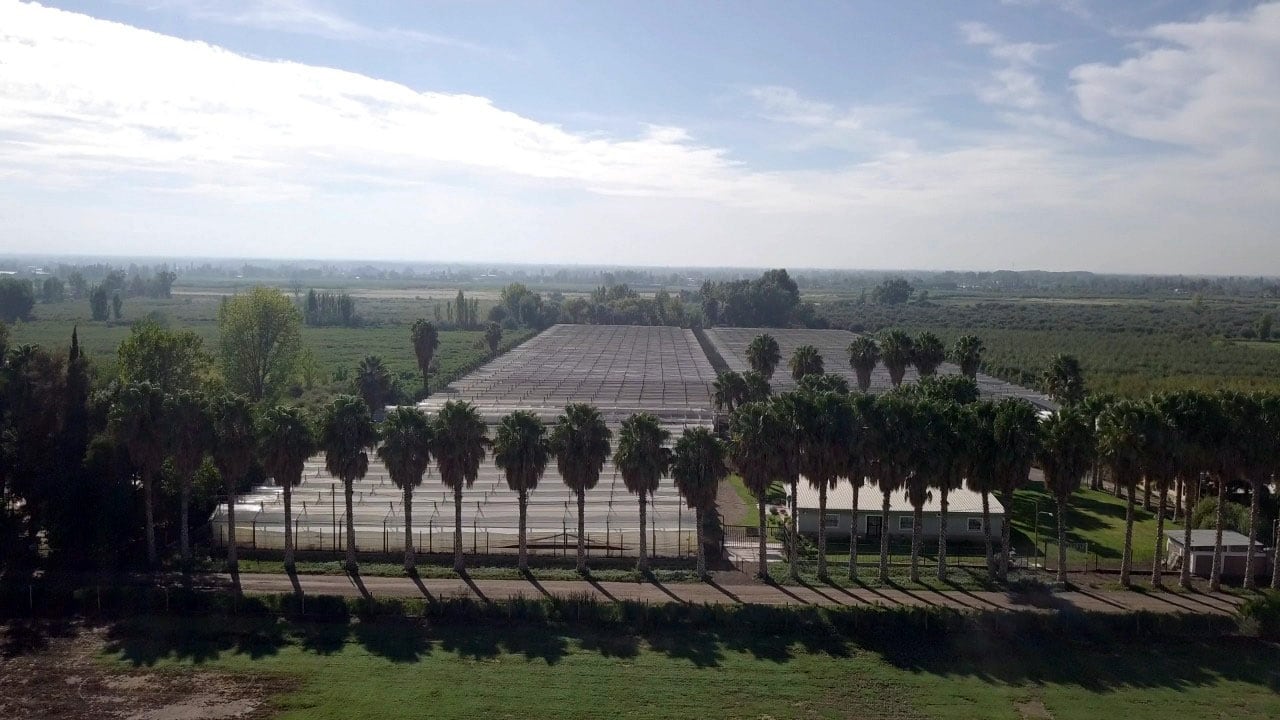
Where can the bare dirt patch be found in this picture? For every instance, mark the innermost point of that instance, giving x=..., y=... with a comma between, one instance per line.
x=61, y=675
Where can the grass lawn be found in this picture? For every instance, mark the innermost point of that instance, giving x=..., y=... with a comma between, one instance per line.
x=1093, y=517
x=399, y=668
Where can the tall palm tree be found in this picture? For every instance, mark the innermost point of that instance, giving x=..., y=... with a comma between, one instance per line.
x=1093, y=405
x=138, y=423
x=1195, y=419
x=928, y=434
x=1228, y=461
x=1160, y=462
x=753, y=451
x=580, y=443
x=1017, y=436
x=233, y=452
x=1258, y=428
x=787, y=445
x=728, y=390
x=189, y=438
x=897, y=350
x=859, y=463
x=1066, y=454
x=984, y=471
x=967, y=353
x=1121, y=443
x=521, y=451
x=426, y=339
x=406, y=453
x=864, y=355
x=697, y=467
x=347, y=433
x=1064, y=379
x=806, y=360
x=375, y=384
x=642, y=459
x=763, y=355
x=892, y=435
x=459, y=439
x=285, y=440
x=755, y=387
x=956, y=457
x=825, y=424
x=928, y=354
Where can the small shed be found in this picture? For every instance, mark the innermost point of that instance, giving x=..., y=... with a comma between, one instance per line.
x=1235, y=551
x=964, y=513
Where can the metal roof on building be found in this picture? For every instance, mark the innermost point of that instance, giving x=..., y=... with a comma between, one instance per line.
x=870, y=499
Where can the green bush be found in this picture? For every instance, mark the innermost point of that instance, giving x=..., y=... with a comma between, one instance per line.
x=1204, y=516
x=1261, y=615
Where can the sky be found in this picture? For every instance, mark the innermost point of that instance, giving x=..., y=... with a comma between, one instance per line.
x=1137, y=136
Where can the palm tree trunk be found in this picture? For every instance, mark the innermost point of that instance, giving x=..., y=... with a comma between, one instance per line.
x=1006, y=499
x=1062, y=540
x=1275, y=567
x=1215, y=575
x=582, y=531
x=459, y=562
x=524, y=539
x=917, y=534
x=1177, y=499
x=702, y=551
x=1156, y=561
x=853, y=533
x=1250, y=581
x=643, y=563
x=1127, y=559
x=764, y=560
x=184, y=525
x=942, y=536
x=410, y=562
x=232, y=561
x=348, y=492
x=148, y=511
x=1146, y=494
x=986, y=533
x=794, y=541
x=884, y=540
x=1184, y=577
x=822, y=530
x=287, y=494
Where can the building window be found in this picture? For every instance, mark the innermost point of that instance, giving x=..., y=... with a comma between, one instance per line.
x=833, y=521
x=975, y=524
x=904, y=522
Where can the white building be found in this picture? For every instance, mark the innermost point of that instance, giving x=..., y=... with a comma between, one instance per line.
x=1235, y=551
x=964, y=513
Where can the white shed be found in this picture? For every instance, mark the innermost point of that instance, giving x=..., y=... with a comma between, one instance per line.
x=964, y=513
x=1235, y=550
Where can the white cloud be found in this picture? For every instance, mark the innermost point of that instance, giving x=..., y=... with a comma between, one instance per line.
x=1015, y=83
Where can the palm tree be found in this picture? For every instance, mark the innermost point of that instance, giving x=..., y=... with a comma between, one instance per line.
x=580, y=442
x=890, y=438
x=927, y=433
x=189, y=435
x=984, y=472
x=426, y=339
x=1092, y=406
x=967, y=353
x=137, y=422
x=1160, y=463
x=728, y=390
x=642, y=458
x=1120, y=443
x=1066, y=454
x=492, y=336
x=459, y=439
x=864, y=355
x=375, y=384
x=956, y=444
x=1228, y=461
x=1017, y=436
x=755, y=387
x=787, y=445
x=896, y=352
x=928, y=354
x=233, y=451
x=753, y=451
x=347, y=433
x=1257, y=427
x=763, y=355
x=406, y=453
x=286, y=439
x=1064, y=379
x=697, y=467
x=859, y=463
x=806, y=360
x=521, y=452
x=825, y=424
x=1195, y=417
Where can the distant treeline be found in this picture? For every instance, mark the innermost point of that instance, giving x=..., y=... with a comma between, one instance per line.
x=327, y=309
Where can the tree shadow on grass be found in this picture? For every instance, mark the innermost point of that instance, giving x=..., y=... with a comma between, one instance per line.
x=147, y=641
x=26, y=636
x=400, y=640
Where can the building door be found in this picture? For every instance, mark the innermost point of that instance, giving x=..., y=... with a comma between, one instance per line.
x=874, y=523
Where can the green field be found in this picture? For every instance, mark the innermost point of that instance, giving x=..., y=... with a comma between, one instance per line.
x=397, y=668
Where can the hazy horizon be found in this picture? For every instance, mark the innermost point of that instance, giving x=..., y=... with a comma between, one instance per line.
x=1052, y=135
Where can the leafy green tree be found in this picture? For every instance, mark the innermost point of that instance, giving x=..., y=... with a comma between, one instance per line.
x=347, y=433
x=580, y=443
x=173, y=360
x=893, y=291
x=1066, y=455
x=137, y=422
x=53, y=290
x=426, y=340
x=642, y=459
x=406, y=453
x=928, y=354
x=806, y=360
x=99, y=303
x=492, y=337
x=375, y=384
x=763, y=355
x=521, y=451
x=1064, y=380
x=728, y=390
x=233, y=448
x=117, y=306
x=697, y=467
x=17, y=299
x=260, y=338
x=1121, y=444
x=1264, y=327
x=897, y=350
x=286, y=439
x=189, y=438
x=864, y=355
x=461, y=438
x=967, y=353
